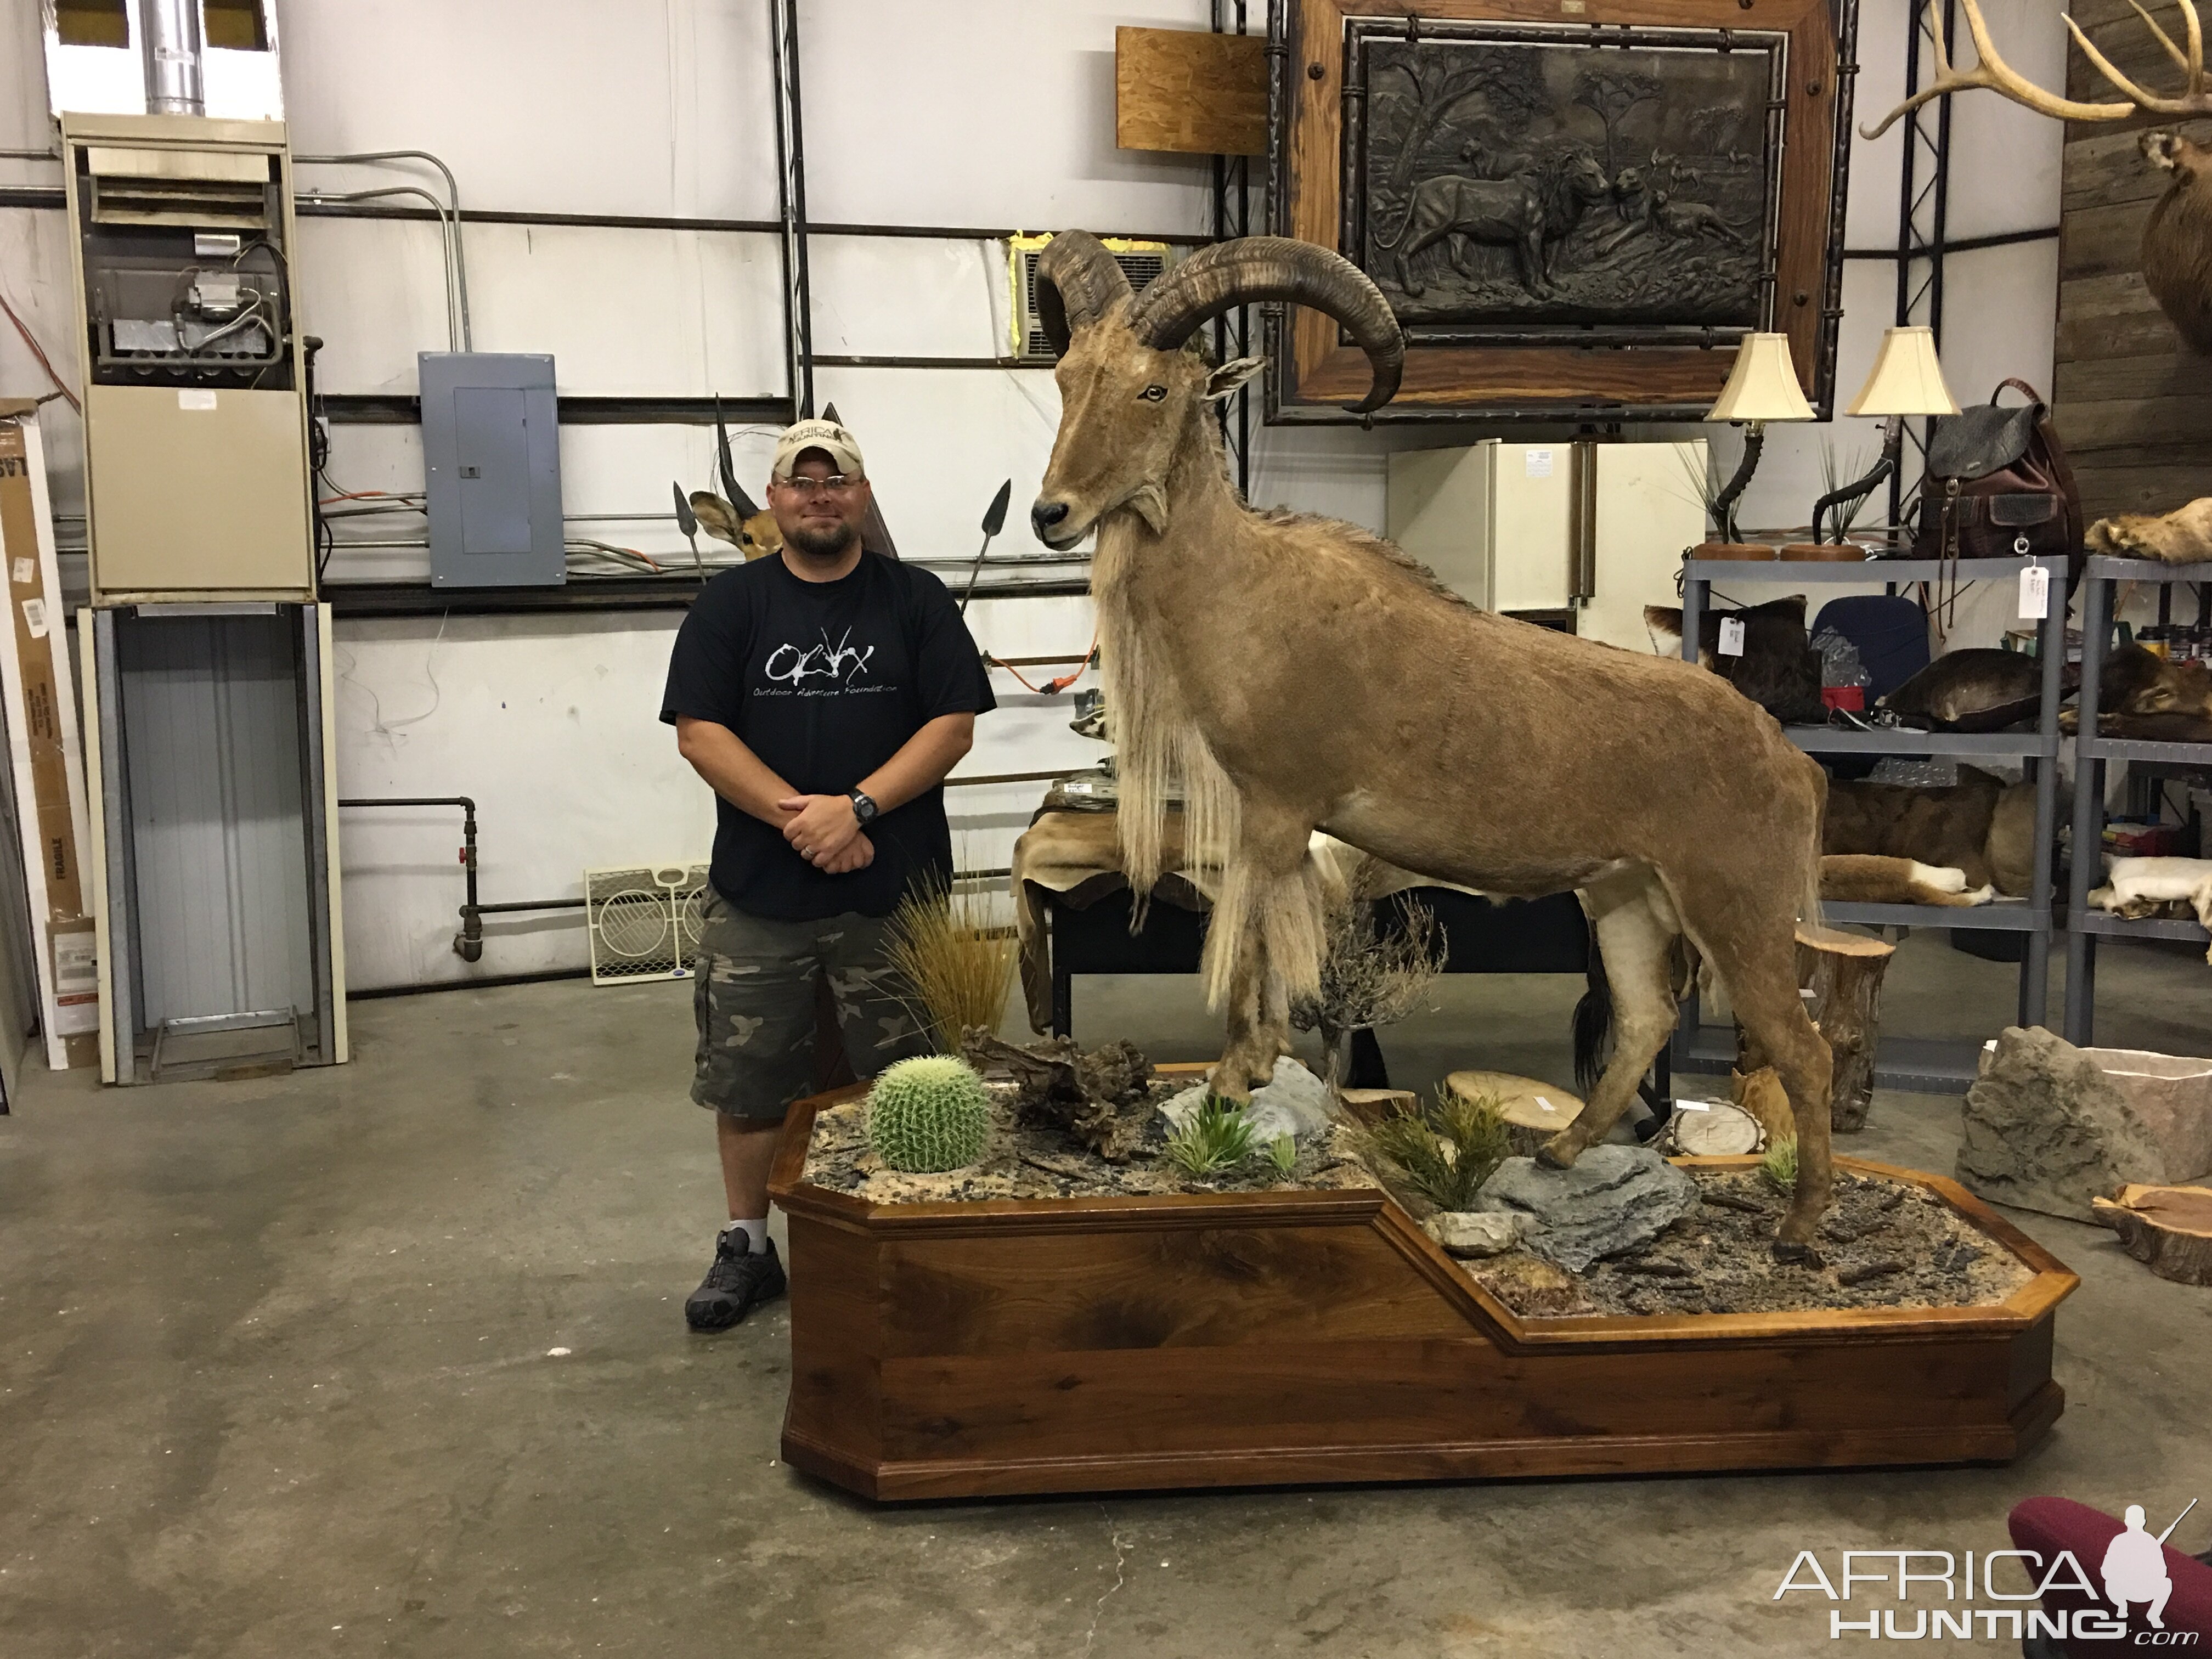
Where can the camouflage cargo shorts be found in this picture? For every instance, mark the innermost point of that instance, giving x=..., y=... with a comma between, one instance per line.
x=753, y=998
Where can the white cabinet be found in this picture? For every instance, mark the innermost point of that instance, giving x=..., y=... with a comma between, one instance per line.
x=1596, y=530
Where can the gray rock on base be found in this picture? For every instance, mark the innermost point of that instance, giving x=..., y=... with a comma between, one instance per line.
x=1478, y=1232
x=1615, y=1199
x=2046, y=1130
x=1293, y=1102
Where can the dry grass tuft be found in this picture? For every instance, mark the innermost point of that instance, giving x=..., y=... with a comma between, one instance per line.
x=956, y=965
x=1779, y=1166
x=1445, y=1151
x=1838, y=468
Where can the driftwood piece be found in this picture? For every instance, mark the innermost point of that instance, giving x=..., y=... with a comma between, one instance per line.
x=1871, y=1271
x=1372, y=1106
x=1101, y=1100
x=1844, y=971
x=1533, y=1110
x=2167, y=1228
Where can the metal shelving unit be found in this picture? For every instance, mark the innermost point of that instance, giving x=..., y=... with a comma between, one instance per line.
x=2091, y=753
x=1923, y=1065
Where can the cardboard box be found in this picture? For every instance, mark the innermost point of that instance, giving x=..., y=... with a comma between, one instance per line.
x=42, y=744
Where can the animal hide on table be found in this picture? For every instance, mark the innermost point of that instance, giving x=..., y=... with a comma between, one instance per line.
x=2181, y=537
x=1981, y=827
x=1866, y=879
x=2141, y=887
x=1977, y=690
x=2151, y=698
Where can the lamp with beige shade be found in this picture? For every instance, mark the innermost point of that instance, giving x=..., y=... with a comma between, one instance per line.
x=1906, y=379
x=1761, y=387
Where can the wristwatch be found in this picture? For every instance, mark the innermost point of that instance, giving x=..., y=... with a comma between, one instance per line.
x=864, y=809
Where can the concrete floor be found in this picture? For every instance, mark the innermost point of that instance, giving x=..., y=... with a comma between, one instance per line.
x=390, y=1359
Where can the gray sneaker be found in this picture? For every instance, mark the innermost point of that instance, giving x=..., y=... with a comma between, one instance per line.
x=738, y=1279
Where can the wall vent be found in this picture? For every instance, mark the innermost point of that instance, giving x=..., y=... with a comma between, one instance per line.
x=1140, y=262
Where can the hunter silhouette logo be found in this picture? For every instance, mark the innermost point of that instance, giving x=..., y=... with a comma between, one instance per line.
x=2134, y=1568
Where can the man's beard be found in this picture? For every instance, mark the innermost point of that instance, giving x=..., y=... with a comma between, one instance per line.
x=822, y=544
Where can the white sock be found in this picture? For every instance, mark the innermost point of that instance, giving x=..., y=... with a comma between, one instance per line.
x=756, y=1234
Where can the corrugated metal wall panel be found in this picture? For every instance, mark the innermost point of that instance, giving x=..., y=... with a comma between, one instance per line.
x=212, y=705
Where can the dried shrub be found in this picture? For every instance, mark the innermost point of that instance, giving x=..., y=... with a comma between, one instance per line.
x=1838, y=468
x=1366, y=979
x=955, y=965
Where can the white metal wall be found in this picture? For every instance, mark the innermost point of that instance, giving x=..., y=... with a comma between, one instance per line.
x=986, y=113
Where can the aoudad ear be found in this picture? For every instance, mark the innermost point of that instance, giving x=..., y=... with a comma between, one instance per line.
x=1231, y=375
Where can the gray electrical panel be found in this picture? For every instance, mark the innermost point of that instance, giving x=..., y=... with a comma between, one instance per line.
x=491, y=454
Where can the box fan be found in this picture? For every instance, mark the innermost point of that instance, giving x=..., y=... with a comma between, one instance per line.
x=644, y=920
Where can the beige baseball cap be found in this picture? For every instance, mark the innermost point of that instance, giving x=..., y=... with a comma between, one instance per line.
x=842, y=447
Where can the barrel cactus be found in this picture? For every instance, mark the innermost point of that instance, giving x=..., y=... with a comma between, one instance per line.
x=928, y=1114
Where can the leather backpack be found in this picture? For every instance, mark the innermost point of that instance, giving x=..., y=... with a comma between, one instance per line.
x=1998, y=486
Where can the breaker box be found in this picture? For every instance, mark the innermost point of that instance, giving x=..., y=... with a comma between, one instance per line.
x=491, y=459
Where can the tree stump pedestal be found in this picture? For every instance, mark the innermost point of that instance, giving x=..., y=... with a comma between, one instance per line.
x=1844, y=971
x=2167, y=1228
x=1533, y=1110
x=1843, y=974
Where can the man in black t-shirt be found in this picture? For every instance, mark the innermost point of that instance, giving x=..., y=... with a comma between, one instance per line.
x=823, y=692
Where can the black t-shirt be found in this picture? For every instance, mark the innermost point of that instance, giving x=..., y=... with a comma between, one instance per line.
x=825, y=682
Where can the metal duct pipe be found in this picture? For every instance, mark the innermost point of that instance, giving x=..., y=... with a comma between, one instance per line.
x=170, y=33
x=455, y=250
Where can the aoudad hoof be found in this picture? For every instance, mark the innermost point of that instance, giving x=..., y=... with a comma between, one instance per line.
x=1797, y=1256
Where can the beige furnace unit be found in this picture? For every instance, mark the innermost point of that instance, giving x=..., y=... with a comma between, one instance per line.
x=212, y=779
x=196, y=421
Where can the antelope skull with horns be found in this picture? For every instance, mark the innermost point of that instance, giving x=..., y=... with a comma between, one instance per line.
x=2177, y=241
x=1294, y=674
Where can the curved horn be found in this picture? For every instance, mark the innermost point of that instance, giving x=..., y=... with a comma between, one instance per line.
x=1253, y=268
x=1077, y=281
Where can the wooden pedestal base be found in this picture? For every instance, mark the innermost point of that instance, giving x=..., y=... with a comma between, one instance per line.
x=1209, y=1339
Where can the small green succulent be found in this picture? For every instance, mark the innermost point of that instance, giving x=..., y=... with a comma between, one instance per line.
x=1217, y=1135
x=1282, y=1153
